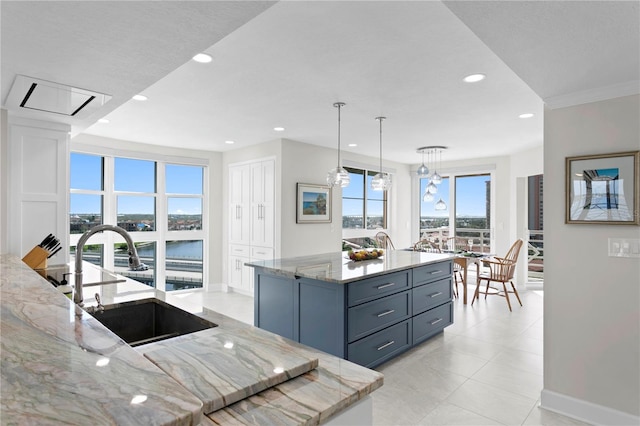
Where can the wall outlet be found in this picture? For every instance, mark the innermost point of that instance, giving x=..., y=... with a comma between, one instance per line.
x=624, y=247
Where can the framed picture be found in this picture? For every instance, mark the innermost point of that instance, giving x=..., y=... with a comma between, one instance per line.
x=603, y=189
x=313, y=203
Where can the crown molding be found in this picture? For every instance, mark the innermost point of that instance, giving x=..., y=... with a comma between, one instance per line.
x=593, y=95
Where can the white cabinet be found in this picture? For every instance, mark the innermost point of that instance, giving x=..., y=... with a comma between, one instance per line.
x=251, y=219
x=239, y=204
x=262, y=203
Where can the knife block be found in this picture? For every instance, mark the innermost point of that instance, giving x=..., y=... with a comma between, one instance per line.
x=36, y=258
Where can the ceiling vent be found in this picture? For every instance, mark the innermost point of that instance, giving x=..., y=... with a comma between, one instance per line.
x=46, y=96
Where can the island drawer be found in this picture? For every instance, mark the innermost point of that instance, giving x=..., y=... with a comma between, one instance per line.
x=379, y=347
x=373, y=316
x=428, y=273
x=430, y=295
x=373, y=288
x=431, y=322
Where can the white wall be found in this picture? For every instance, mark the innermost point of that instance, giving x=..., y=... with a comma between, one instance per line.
x=592, y=301
x=215, y=190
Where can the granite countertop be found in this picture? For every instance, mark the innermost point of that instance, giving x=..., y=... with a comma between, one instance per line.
x=61, y=366
x=337, y=268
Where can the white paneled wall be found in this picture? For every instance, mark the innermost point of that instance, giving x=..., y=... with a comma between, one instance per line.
x=38, y=154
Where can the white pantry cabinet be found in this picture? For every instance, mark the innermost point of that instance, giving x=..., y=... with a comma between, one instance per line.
x=251, y=219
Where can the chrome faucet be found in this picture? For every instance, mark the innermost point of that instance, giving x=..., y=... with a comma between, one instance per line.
x=134, y=260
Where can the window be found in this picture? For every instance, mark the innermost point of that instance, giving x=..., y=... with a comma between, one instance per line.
x=160, y=203
x=468, y=212
x=362, y=207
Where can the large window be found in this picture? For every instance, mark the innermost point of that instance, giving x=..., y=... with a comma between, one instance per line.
x=362, y=207
x=467, y=212
x=159, y=203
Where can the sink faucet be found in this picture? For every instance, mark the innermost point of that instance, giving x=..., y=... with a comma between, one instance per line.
x=134, y=260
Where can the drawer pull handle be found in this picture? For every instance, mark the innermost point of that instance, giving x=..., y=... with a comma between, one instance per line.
x=260, y=252
x=436, y=294
x=436, y=321
x=386, y=345
x=435, y=272
x=380, y=287
x=390, y=311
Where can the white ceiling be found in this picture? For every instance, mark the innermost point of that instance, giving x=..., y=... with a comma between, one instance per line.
x=290, y=62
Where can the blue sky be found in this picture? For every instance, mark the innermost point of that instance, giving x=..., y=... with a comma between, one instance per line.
x=134, y=176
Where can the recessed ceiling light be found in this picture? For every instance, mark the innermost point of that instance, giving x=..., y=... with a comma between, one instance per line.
x=103, y=120
x=203, y=58
x=229, y=142
x=526, y=115
x=139, y=98
x=353, y=144
x=474, y=78
x=279, y=129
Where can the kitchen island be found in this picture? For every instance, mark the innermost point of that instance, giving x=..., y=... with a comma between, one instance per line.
x=61, y=366
x=365, y=311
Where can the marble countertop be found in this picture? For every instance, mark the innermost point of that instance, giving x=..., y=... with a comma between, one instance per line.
x=337, y=268
x=61, y=366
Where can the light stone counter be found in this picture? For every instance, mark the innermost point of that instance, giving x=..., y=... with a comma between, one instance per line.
x=54, y=355
x=337, y=268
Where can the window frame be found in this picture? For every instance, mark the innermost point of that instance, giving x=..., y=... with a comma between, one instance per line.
x=366, y=172
x=160, y=235
x=452, y=175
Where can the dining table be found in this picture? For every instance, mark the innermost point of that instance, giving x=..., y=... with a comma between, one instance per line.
x=465, y=260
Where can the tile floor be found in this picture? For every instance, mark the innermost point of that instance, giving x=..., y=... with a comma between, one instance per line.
x=485, y=369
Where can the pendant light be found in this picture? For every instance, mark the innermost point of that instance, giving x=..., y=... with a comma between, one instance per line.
x=427, y=197
x=381, y=181
x=423, y=171
x=436, y=178
x=440, y=205
x=338, y=176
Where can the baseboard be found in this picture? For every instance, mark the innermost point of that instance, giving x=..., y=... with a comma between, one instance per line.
x=585, y=411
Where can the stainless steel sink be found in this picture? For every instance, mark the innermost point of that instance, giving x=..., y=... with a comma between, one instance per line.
x=149, y=320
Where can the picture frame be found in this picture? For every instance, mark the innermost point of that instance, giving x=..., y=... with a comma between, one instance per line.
x=603, y=189
x=313, y=203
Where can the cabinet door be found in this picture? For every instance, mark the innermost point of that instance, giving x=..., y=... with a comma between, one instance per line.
x=262, y=203
x=240, y=276
x=239, y=207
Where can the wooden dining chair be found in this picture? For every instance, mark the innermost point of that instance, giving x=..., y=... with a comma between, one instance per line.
x=456, y=244
x=426, y=246
x=501, y=269
x=384, y=241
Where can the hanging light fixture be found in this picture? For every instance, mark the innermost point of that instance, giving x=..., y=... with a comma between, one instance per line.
x=440, y=205
x=423, y=171
x=381, y=181
x=427, y=197
x=338, y=176
x=436, y=178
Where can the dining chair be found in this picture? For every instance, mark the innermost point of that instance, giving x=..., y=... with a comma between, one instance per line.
x=501, y=269
x=457, y=244
x=384, y=241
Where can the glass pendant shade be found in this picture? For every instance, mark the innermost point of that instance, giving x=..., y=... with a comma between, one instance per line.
x=427, y=196
x=423, y=171
x=432, y=188
x=440, y=205
x=436, y=178
x=381, y=182
x=338, y=177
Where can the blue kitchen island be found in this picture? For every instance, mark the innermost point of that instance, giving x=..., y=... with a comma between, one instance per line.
x=364, y=311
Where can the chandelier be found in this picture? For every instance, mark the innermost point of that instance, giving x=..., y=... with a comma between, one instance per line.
x=434, y=177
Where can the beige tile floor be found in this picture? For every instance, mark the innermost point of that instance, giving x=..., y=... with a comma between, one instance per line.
x=485, y=369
